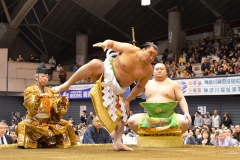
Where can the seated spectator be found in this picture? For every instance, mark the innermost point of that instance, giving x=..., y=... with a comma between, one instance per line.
x=82, y=131
x=175, y=59
x=32, y=59
x=75, y=68
x=170, y=56
x=213, y=131
x=188, y=137
x=222, y=140
x=184, y=54
x=230, y=70
x=20, y=59
x=229, y=133
x=96, y=134
x=215, y=67
x=224, y=64
x=182, y=59
x=4, y=139
x=231, y=55
x=192, y=59
x=206, y=127
x=62, y=76
x=87, y=80
x=173, y=74
x=59, y=67
x=224, y=58
x=206, y=72
x=237, y=68
x=184, y=73
x=14, y=118
x=159, y=56
x=221, y=71
x=189, y=67
x=192, y=74
x=10, y=59
x=211, y=73
x=238, y=53
x=223, y=127
x=205, y=138
x=198, y=58
x=205, y=64
x=182, y=66
x=197, y=132
x=13, y=135
x=236, y=133
x=78, y=138
x=216, y=44
x=165, y=55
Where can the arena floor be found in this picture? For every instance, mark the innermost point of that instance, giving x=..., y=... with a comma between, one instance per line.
x=106, y=153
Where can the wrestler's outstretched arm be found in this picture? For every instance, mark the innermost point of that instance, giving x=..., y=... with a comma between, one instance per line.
x=116, y=46
x=182, y=101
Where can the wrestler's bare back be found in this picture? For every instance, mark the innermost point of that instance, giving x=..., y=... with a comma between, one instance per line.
x=128, y=69
x=160, y=91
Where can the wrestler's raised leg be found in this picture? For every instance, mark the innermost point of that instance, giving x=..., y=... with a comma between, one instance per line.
x=184, y=123
x=118, y=145
x=134, y=120
x=93, y=69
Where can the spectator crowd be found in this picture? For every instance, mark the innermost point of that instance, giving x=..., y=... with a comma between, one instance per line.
x=214, y=56
x=204, y=130
x=212, y=130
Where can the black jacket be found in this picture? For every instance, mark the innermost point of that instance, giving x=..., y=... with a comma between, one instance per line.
x=83, y=119
x=227, y=122
x=9, y=139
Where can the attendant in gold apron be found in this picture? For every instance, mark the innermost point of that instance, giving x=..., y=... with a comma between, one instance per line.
x=43, y=125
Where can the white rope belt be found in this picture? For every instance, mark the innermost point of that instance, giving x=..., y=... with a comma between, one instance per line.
x=112, y=89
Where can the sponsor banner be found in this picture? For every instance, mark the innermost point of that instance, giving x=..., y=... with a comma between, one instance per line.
x=81, y=91
x=210, y=86
x=190, y=87
x=78, y=91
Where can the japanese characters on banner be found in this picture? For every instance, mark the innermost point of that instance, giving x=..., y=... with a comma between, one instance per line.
x=190, y=87
x=210, y=86
x=81, y=91
x=78, y=91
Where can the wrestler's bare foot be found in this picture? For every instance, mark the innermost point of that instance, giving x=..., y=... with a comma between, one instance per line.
x=121, y=147
x=61, y=88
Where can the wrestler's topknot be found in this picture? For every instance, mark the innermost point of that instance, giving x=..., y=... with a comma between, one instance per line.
x=148, y=45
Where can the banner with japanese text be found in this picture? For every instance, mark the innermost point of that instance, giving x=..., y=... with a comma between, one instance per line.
x=210, y=86
x=190, y=87
x=78, y=91
x=81, y=91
